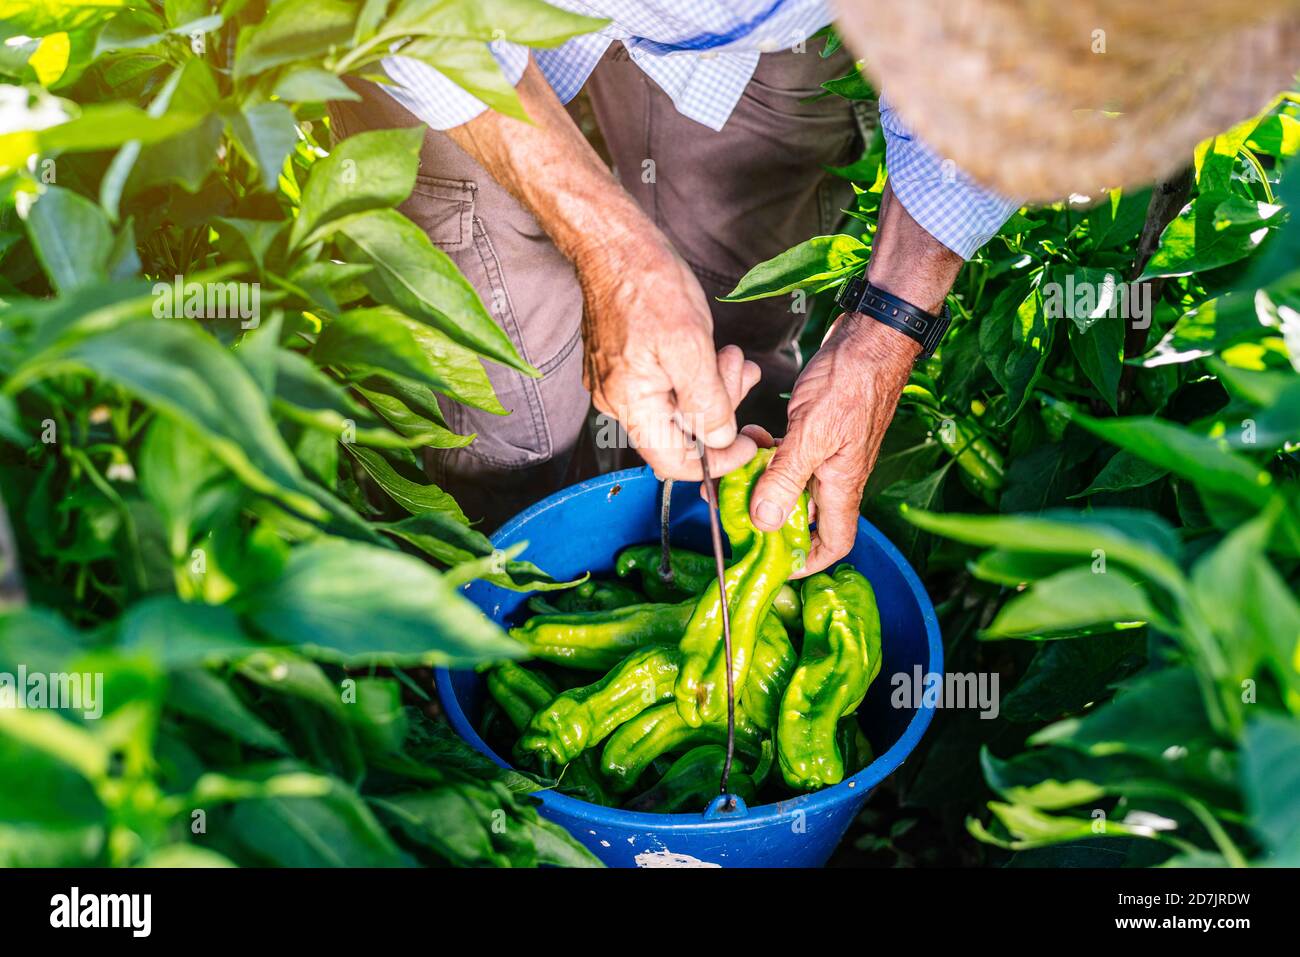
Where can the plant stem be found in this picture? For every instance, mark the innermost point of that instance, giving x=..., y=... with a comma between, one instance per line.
x=1231, y=853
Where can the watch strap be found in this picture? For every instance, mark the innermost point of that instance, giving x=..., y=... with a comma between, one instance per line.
x=858, y=295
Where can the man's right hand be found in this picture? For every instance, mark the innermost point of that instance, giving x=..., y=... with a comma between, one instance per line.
x=650, y=362
x=647, y=330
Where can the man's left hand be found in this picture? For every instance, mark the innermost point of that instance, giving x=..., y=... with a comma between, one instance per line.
x=839, y=411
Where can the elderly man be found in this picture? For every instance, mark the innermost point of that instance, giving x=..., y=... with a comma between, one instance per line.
x=611, y=280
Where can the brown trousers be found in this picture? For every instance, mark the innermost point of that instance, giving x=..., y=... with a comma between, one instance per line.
x=726, y=200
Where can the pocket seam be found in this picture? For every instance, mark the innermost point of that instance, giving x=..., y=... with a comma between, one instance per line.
x=457, y=192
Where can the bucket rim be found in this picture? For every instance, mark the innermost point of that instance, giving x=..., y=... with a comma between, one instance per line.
x=855, y=787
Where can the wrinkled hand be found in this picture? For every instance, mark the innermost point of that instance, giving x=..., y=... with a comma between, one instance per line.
x=839, y=410
x=650, y=363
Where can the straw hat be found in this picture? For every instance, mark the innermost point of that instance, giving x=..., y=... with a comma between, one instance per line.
x=1043, y=98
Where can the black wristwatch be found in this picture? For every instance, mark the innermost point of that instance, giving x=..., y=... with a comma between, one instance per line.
x=858, y=295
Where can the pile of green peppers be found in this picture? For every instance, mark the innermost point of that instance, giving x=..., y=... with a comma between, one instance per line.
x=649, y=734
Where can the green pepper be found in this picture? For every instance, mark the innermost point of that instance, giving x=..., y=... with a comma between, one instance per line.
x=597, y=596
x=761, y=563
x=692, y=782
x=766, y=758
x=542, y=606
x=520, y=693
x=659, y=730
x=976, y=457
x=840, y=658
x=981, y=464
x=774, y=660
x=787, y=607
x=598, y=640
x=692, y=572
x=853, y=744
x=582, y=717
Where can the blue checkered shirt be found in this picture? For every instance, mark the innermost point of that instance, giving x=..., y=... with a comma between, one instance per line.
x=702, y=53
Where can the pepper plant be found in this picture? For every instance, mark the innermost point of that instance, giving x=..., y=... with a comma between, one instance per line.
x=1097, y=476
x=221, y=348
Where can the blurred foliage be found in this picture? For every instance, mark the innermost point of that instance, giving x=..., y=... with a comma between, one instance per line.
x=220, y=347
x=1104, y=503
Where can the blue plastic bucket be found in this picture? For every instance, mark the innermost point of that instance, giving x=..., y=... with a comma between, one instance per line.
x=581, y=528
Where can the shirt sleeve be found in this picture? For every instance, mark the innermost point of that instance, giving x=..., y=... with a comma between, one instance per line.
x=436, y=100
x=947, y=203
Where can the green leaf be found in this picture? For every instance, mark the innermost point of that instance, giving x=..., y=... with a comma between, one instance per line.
x=250, y=239
x=293, y=30
x=39, y=639
x=1280, y=257
x=178, y=634
x=182, y=479
x=1042, y=477
x=1270, y=778
x=445, y=820
x=189, y=92
x=186, y=159
x=306, y=394
x=381, y=340
x=371, y=16
x=416, y=429
x=188, y=376
x=455, y=544
x=1207, y=462
x=1249, y=606
x=1052, y=778
x=284, y=672
x=11, y=426
x=814, y=262
x=102, y=126
x=1099, y=350
x=1277, y=135
x=852, y=86
x=71, y=237
x=357, y=604
x=1031, y=828
x=1140, y=540
x=1015, y=341
x=531, y=23
x=1118, y=219
x=1017, y=784
x=54, y=819
x=40, y=18
x=1066, y=677
x=1124, y=471
x=1277, y=394
x=371, y=170
x=1071, y=600
x=335, y=830
x=201, y=696
x=421, y=280
x=1213, y=231
x=267, y=133
x=1158, y=716
x=377, y=713
x=1216, y=158
x=184, y=855
x=415, y=497
x=1211, y=327
x=923, y=493
x=311, y=84
x=472, y=67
